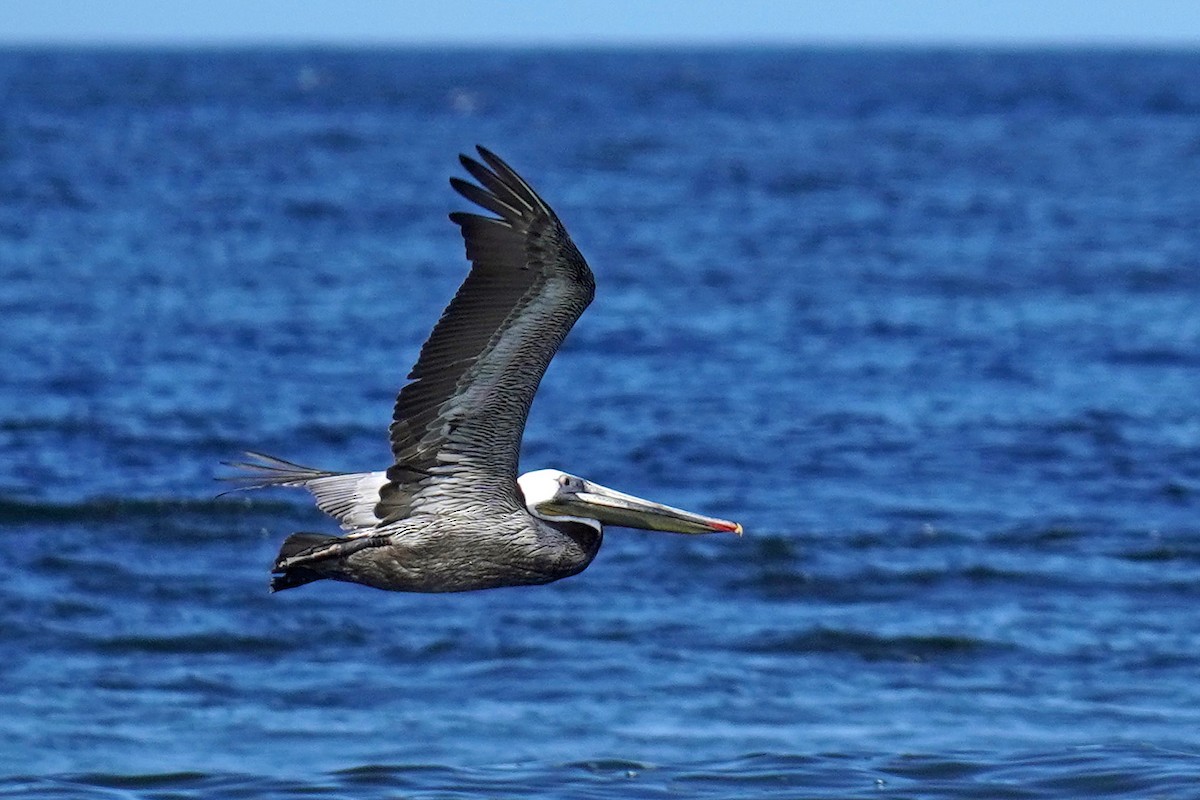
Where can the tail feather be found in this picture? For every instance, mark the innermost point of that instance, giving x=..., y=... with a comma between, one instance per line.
x=299, y=543
x=307, y=557
x=294, y=545
x=293, y=578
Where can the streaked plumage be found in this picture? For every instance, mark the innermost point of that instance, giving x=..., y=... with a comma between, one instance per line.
x=451, y=514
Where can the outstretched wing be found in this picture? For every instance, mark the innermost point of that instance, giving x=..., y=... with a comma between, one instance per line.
x=457, y=427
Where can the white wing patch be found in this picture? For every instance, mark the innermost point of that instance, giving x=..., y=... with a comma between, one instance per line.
x=349, y=498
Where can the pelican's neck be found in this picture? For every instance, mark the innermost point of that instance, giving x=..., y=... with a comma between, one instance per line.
x=576, y=541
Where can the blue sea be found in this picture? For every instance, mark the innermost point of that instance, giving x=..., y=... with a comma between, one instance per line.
x=926, y=322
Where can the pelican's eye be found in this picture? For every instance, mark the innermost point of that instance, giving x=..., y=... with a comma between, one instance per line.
x=564, y=480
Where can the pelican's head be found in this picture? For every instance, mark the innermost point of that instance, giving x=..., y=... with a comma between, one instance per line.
x=550, y=494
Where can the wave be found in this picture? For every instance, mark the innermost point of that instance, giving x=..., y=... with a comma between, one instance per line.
x=872, y=647
x=1085, y=771
x=104, y=509
x=196, y=643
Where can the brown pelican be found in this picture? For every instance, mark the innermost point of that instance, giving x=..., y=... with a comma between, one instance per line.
x=451, y=515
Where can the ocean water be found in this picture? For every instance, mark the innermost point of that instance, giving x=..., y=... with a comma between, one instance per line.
x=927, y=323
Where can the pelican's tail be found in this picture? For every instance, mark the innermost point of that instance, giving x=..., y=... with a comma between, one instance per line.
x=348, y=497
x=289, y=577
x=307, y=557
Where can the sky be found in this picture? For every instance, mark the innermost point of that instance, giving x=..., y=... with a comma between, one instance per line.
x=519, y=22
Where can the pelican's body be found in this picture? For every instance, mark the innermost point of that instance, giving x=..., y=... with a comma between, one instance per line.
x=451, y=514
x=434, y=553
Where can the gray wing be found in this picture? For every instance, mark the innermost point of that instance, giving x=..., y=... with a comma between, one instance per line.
x=457, y=427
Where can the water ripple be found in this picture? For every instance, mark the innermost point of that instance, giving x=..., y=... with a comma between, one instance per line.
x=1094, y=772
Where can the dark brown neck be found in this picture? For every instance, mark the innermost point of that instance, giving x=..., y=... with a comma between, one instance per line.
x=586, y=538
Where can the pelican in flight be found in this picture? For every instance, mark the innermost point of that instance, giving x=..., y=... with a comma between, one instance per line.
x=451, y=515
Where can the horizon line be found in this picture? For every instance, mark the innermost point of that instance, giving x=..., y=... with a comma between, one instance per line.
x=637, y=43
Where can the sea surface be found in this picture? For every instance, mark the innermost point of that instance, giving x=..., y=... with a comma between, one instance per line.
x=927, y=323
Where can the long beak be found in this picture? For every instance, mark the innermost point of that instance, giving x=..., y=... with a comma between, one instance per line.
x=616, y=508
